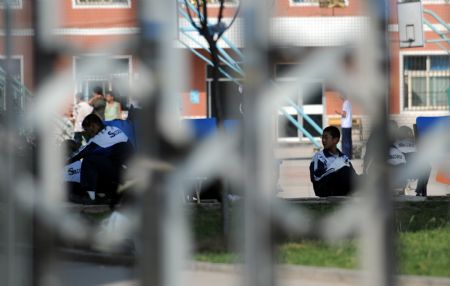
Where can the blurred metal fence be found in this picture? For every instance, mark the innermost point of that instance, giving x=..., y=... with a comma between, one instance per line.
x=164, y=172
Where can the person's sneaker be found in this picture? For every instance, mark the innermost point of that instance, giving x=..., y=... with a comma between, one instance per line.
x=91, y=195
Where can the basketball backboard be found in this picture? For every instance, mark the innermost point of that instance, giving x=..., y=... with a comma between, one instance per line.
x=410, y=24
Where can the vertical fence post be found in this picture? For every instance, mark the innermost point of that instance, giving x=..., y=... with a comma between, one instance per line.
x=161, y=214
x=257, y=222
x=8, y=183
x=377, y=235
x=44, y=235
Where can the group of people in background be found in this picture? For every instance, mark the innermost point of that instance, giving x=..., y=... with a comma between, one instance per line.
x=96, y=152
x=69, y=125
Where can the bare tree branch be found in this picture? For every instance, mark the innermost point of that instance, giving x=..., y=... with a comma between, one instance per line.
x=203, y=8
x=219, y=18
x=232, y=21
x=191, y=19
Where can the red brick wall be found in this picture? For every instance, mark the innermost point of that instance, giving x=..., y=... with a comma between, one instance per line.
x=22, y=18
x=197, y=81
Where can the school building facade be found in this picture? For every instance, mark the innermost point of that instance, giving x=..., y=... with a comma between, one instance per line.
x=419, y=79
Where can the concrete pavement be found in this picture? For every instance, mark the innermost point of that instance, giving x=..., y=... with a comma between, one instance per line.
x=206, y=274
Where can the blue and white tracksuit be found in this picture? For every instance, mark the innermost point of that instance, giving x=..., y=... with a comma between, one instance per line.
x=401, y=154
x=100, y=161
x=331, y=174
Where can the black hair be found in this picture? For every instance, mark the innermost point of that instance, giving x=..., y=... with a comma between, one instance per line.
x=114, y=94
x=405, y=132
x=333, y=131
x=92, y=119
x=98, y=90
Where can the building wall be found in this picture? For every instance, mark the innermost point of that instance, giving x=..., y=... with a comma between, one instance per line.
x=88, y=29
x=285, y=8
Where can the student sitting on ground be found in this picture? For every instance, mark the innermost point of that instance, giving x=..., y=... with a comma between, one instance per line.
x=405, y=144
x=103, y=158
x=331, y=171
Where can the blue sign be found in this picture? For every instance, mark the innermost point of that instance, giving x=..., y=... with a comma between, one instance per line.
x=194, y=96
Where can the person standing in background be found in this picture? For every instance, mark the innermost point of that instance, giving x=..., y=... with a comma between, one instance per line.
x=63, y=126
x=98, y=102
x=82, y=109
x=113, y=108
x=346, y=125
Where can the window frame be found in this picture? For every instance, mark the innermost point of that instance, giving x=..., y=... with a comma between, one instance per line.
x=417, y=110
x=20, y=58
x=129, y=57
x=435, y=2
x=314, y=3
x=19, y=5
x=14, y=57
x=217, y=5
x=310, y=109
x=77, y=5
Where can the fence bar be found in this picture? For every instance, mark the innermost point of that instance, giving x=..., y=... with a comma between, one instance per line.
x=8, y=184
x=160, y=262
x=377, y=233
x=50, y=183
x=259, y=245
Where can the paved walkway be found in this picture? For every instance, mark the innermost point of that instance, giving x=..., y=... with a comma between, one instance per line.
x=220, y=275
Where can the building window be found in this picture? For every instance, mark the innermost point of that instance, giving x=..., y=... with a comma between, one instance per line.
x=216, y=2
x=321, y=3
x=435, y=2
x=426, y=82
x=15, y=4
x=16, y=73
x=102, y=3
x=107, y=72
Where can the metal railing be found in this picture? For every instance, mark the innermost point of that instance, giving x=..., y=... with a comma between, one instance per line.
x=235, y=66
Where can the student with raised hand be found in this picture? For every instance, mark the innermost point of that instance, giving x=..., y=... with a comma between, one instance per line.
x=331, y=171
x=98, y=102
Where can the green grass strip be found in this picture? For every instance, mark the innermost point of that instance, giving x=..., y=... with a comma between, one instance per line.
x=424, y=252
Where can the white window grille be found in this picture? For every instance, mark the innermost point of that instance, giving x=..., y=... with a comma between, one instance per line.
x=217, y=2
x=101, y=3
x=426, y=82
x=15, y=4
x=321, y=3
x=435, y=2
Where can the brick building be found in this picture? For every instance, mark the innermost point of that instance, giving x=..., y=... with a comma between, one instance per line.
x=419, y=76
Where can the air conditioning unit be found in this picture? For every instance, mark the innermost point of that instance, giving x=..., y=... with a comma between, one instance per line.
x=332, y=3
x=324, y=3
